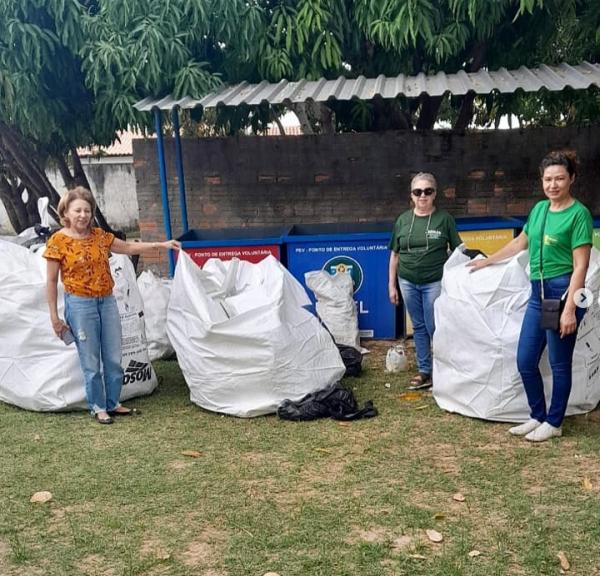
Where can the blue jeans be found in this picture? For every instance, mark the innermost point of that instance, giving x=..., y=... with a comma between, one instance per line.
x=419, y=300
x=96, y=325
x=532, y=342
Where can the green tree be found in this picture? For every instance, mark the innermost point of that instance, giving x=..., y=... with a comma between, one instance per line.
x=71, y=70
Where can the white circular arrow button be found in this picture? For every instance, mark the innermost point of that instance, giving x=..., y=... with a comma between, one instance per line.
x=583, y=298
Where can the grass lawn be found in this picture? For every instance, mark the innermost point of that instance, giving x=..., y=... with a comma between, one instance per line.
x=317, y=498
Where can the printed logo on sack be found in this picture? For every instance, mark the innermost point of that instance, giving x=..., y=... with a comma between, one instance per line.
x=137, y=372
x=346, y=265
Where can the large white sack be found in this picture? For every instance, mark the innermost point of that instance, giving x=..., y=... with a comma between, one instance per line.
x=155, y=293
x=244, y=342
x=478, y=321
x=37, y=371
x=335, y=305
x=139, y=377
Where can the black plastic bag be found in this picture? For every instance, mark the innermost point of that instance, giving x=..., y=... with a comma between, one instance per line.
x=352, y=359
x=473, y=252
x=335, y=402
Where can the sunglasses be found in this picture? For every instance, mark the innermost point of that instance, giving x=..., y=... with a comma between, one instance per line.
x=421, y=191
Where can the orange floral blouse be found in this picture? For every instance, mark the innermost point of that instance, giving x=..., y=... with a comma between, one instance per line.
x=84, y=268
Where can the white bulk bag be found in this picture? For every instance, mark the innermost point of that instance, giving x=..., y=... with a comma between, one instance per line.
x=478, y=320
x=243, y=340
x=37, y=371
x=335, y=305
x=139, y=377
x=155, y=294
x=585, y=393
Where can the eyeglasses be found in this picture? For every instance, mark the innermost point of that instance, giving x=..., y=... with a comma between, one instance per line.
x=421, y=191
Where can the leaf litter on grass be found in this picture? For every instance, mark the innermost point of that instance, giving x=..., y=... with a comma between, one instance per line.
x=406, y=466
x=564, y=561
x=41, y=497
x=192, y=453
x=434, y=536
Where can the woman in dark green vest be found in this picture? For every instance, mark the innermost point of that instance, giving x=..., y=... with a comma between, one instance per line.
x=419, y=249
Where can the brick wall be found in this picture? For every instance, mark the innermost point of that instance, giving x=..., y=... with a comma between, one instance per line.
x=254, y=181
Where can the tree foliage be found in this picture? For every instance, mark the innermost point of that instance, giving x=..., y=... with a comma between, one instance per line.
x=71, y=70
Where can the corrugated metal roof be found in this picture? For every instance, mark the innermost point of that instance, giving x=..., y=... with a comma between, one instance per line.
x=552, y=78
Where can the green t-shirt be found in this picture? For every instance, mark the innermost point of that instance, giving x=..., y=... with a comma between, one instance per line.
x=421, y=243
x=565, y=230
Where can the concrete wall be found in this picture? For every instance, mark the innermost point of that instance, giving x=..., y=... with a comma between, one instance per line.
x=113, y=183
x=254, y=181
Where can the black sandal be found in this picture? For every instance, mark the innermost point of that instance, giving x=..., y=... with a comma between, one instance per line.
x=421, y=382
x=103, y=419
x=129, y=412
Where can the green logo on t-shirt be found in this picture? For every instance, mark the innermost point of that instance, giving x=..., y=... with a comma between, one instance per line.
x=550, y=240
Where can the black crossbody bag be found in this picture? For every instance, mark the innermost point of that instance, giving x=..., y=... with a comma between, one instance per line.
x=551, y=307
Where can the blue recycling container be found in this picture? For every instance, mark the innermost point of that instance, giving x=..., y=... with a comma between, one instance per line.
x=251, y=244
x=358, y=249
x=487, y=233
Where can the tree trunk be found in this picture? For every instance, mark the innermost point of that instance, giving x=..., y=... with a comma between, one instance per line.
x=477, y=60
x=466, y=112
x=79, y=174
x=279, y=125
x=101, y=221
x=65, y=171
x=324, y=115
x=23, y=163
x=300, y=110
x=388, y=115
x=430, y=108
x=15, y=209
x=314, y=114
x=78, y=177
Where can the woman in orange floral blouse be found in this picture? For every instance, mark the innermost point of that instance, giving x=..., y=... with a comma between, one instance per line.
x=80, y=253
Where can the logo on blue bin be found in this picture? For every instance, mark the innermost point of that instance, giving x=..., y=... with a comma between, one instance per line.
x=346, y=265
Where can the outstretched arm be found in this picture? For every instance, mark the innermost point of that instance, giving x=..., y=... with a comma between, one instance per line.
x=132, y=248
x=515, y=246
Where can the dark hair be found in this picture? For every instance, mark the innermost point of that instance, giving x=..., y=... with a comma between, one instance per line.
x=566, y=158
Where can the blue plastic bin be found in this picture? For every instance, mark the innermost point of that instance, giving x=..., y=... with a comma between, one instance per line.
x=360, y=249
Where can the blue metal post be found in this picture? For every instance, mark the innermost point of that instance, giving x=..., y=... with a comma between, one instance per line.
x=180, y=176
x=162, y=168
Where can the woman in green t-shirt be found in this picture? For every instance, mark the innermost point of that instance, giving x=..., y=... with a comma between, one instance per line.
x=419, y=250
x=560, y=264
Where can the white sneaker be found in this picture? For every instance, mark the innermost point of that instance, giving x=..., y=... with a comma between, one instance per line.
x=525, y=428
x=543, y=432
